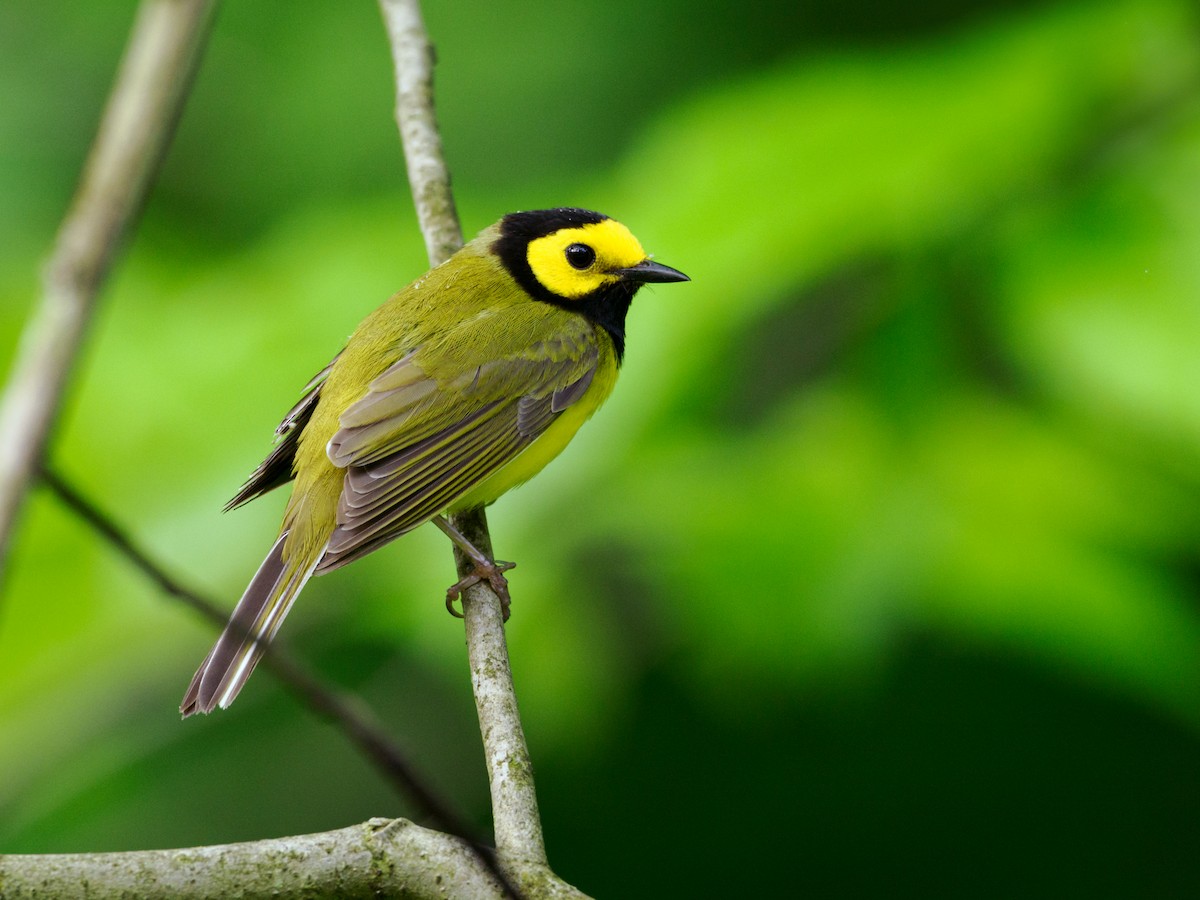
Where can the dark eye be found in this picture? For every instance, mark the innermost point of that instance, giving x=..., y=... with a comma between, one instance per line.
x=580, y=256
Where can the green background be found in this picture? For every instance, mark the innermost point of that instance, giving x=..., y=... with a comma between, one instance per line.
x=879, y=573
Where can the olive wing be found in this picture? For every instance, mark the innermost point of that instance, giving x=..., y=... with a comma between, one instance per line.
x=418, y=441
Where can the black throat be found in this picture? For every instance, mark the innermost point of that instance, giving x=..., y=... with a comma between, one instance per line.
x=606, y=306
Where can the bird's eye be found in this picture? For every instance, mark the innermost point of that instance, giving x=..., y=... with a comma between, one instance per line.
x=580, y=256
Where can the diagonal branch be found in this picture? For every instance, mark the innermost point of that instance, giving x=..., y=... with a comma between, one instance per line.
x=516, y=821
x=134, y=132
x=352, y=717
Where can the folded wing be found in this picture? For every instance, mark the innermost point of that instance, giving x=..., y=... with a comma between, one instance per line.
x=417, y=442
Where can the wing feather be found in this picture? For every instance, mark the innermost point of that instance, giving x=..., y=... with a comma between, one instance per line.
x=415, y=443
x=392, y=505
x=368, y=492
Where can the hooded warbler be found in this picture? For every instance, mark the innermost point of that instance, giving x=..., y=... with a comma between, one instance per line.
x=460, y=387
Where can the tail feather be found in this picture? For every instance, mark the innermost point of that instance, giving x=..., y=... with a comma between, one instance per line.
x=257, y=617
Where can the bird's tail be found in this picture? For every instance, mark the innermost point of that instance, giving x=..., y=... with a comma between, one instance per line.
x=257, y=617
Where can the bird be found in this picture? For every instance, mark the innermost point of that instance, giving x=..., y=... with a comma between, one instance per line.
x=460, y=387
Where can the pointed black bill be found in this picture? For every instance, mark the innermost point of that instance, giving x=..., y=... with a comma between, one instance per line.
x=651, y=272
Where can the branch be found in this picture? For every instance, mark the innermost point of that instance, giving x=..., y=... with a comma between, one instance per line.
x=352, y=717
x=133, y=136
x=379, y=858
x=516, y=821
x=428, y=176
x=425, y=856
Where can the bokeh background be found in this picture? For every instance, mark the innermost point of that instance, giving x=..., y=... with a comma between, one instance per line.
x=878, y=575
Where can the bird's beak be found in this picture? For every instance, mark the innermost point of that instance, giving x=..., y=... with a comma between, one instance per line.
x=647, y=271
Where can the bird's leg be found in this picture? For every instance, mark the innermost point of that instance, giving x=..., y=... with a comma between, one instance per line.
x=485, y=569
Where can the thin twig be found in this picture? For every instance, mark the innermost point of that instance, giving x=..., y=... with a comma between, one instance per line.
x=516, y=821
x=428, y=175
x=134, y=132
x=352, y=717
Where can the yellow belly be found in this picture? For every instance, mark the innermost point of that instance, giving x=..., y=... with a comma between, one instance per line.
x=535, y=457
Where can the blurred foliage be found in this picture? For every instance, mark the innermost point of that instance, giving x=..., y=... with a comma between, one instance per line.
x=879, y=571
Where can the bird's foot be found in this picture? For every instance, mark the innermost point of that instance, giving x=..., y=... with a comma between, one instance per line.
x=491, y=571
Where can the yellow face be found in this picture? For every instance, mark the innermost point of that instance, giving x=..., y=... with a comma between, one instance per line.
x=573, y=262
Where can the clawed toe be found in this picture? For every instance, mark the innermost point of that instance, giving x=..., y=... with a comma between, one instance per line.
x=493, y=573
